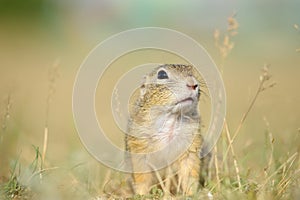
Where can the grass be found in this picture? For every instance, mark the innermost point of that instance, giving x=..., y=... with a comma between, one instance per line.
x=13, y=188
x=268, y=170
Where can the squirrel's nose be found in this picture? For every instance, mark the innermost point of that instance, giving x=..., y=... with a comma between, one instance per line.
x=192, y=87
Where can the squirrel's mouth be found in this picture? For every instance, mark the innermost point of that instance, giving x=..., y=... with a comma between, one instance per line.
x=183, y=105
x=188, y=100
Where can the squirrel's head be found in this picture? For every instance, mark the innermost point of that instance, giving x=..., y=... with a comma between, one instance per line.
x=172, y=86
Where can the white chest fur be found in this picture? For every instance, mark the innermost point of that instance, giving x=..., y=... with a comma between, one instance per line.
x=173, y=132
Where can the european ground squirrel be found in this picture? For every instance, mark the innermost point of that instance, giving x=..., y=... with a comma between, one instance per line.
x=167, y=110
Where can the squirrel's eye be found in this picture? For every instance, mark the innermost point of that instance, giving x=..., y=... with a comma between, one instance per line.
x=162, y=75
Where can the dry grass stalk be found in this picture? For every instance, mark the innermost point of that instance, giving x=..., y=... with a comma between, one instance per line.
x=224, y=42
x=237, y=170
x=52, y=76
x=45, y=144
x=271, y=142
x=262, y=86
x=286, y=177
x=290, y=160
x=6, y=116
x=40, y=172
x=106, y=180
x=217, y=167
x=159, y=178
x=168, y=178
x=264, y=78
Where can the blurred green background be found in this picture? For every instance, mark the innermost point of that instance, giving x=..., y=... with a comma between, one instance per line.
x=36, y=34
